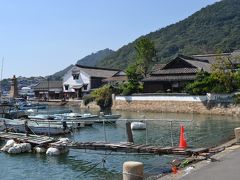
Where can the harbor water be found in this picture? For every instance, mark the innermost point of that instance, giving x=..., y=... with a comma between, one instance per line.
x=200, y=131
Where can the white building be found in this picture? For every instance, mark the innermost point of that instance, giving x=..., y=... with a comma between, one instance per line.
x=80, y=80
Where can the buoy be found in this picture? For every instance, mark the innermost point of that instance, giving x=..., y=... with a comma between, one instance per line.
x=138, y=126
x=53, y=151
x=182, y=141
x=10, y=143
x=20, y=148
x=40, y=150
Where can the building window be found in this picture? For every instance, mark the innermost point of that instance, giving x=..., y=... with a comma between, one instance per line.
x=85, y=87
x=75, y=76
x=66, y=86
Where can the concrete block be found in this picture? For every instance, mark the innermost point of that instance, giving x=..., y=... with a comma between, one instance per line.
x=237, y=134
x=133, y=170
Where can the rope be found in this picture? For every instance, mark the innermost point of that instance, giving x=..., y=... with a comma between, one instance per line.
x=102, y=161
x=31, y=129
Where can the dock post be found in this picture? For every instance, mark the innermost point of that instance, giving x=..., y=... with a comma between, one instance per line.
x=237, y=134
x=171, y=126
x=129, y=132
x=27, y=130
x=133, y=170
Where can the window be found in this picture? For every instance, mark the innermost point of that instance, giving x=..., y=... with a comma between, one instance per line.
x=75, y=76
x=66, y=87
x=85, y=87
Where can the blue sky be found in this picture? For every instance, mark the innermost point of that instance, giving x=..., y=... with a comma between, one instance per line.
x=41, y=37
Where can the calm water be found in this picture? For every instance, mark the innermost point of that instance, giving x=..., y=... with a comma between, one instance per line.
x=200, y=131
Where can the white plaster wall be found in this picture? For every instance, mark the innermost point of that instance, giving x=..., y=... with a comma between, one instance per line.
x=162, y=98
x=68, y=79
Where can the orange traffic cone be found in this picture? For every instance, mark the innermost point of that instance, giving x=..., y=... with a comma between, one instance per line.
x=182, y=141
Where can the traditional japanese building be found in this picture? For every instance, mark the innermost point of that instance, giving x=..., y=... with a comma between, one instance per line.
x=80, y=80
x=173, y=76
x=49, y=90
x=116, y=79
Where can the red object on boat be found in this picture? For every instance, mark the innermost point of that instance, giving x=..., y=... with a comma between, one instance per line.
x=174, y=170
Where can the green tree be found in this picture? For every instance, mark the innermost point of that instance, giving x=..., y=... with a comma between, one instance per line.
x=103, y=96
x=133, y=85
x=224, y=75
x=145, y=55
x=223, y=78
x=202, y=84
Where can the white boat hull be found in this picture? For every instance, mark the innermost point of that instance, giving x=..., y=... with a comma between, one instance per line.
x=18, y=126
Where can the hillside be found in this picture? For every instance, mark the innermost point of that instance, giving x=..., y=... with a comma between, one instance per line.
x=58, y=75
x=215, y=28
x=94, y=58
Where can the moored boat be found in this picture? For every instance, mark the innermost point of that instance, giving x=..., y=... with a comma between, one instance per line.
x=18, y=125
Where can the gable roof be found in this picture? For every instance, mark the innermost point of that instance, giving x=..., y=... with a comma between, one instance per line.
x=193, y=65
x=97, y=72
x=45, y=85
x=158, y=67
x=211, y=58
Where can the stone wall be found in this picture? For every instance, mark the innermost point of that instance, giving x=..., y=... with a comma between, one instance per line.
x=91, y=105
x=177, y=107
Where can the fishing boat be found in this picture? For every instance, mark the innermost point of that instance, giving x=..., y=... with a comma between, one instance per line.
x=45, y=119
x=59, y=118
x=88, y=119
x=27, y=106
x=10, y=111
x=109, y=118
x=19, y=126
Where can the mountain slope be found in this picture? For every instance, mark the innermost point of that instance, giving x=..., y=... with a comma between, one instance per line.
x=59, y=75
x=94, y=58
x=212, y=29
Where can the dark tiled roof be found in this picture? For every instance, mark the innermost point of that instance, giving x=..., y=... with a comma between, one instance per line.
x=175, y=71
x=45, y=85
x=158, y=67
x=115, y=78
x=234, y=56
x=170, y=78
x=98, y=72
x=211, y=58
x=200, y=65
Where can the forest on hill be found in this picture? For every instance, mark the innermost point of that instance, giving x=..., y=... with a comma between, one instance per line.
x=215, y=28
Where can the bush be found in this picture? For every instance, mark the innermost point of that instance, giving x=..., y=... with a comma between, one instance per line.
x=103, y=96
x=87, y=99
x=236, y=99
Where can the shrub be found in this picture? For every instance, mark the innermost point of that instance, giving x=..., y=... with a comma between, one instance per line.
x=87, y=99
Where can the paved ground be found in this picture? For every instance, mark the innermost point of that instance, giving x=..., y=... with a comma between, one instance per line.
x=228, y=168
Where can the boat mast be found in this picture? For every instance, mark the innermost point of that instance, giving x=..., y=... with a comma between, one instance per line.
x=1, y=79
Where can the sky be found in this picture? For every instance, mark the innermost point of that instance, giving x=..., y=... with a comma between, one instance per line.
x=41, y=37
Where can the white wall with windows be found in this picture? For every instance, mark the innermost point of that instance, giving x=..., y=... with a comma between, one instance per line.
x=76, y=79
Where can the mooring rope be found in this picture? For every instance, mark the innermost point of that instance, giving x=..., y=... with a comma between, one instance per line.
x=102, y=161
